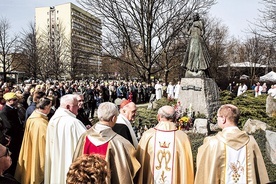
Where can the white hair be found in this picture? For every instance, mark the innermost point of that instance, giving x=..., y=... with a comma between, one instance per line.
x=107, y=110
x=68, y=99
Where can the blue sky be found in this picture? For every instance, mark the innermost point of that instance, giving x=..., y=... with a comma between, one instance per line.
x=235, y=14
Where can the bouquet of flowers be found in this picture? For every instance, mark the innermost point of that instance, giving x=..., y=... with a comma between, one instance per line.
x=184, y=118
x=185, y=122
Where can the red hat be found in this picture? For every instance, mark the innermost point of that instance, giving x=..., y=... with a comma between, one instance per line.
x=124, y=103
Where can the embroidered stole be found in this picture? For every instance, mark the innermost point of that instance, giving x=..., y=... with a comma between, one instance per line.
x=236, y=165
x=163, y=156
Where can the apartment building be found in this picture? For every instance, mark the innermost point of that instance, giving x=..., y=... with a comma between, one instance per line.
x=81, y=34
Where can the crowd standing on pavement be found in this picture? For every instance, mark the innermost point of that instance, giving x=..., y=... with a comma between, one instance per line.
x=52, y=122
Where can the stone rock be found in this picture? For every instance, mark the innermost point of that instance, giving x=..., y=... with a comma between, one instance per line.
x=271, y=145
x=200, y=126
x=214, y=127
x=202, y=94
x=251, y=126
x=152, y=105
x=270, y=106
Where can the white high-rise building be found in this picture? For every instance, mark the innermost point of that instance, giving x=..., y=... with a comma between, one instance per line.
x=80, y=33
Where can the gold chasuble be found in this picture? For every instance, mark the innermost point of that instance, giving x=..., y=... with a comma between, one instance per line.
x=31, y=160
x=165, y=156
x=231, y=156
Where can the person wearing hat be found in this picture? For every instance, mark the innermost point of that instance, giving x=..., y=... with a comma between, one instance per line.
x=12, y=127
x=124, y=121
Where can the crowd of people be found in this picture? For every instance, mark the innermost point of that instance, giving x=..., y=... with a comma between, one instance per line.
x=46, y=136
x=239, y=89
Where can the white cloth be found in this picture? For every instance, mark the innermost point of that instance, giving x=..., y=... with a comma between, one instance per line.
x=258, y=90
x=242, y=89
x=164, y=156
x=158, y=91
x=170, y=91
x=62, y=136
x=176, y=91
x=122, y=120
x=272, y=92
x=235, y=165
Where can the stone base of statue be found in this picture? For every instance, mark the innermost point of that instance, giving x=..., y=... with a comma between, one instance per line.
x=270, y=106
x=198, y=74
x=202, y=94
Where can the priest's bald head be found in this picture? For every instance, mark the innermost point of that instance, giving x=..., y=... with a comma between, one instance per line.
x=166, y=113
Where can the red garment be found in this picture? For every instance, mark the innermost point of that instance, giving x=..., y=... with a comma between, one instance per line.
x=90, y=148
x=130, y=96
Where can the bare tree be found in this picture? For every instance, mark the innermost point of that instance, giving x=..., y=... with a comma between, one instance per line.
x=266, y=23
x=7, y=47
x=255, y=49
x=216, y=39
x=29, y=51
x=138, y=32
x=234, y=53
x=265, y=27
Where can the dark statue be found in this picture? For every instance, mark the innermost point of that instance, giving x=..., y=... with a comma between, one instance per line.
x=197, y=58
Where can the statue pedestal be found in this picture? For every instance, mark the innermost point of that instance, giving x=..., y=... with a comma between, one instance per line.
x=201, y=93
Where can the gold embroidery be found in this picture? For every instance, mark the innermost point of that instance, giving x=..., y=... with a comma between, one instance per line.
x=236, y=169
x=164, y=145
x=162, y=178
x=163, y=160
x=166, y=155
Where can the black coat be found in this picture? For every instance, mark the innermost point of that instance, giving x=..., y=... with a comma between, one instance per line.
x=14, y=128
x=82, y=116
x=123, y=130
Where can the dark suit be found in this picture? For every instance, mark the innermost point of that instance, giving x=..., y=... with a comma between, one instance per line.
x=14, y=128
x=123, y=130
x=83, y=117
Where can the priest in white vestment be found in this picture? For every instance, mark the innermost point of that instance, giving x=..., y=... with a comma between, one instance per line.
x=63, y=133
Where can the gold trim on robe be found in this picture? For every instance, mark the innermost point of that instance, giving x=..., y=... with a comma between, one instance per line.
x=163, y=156
x=211, y=157
x=182, y=163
